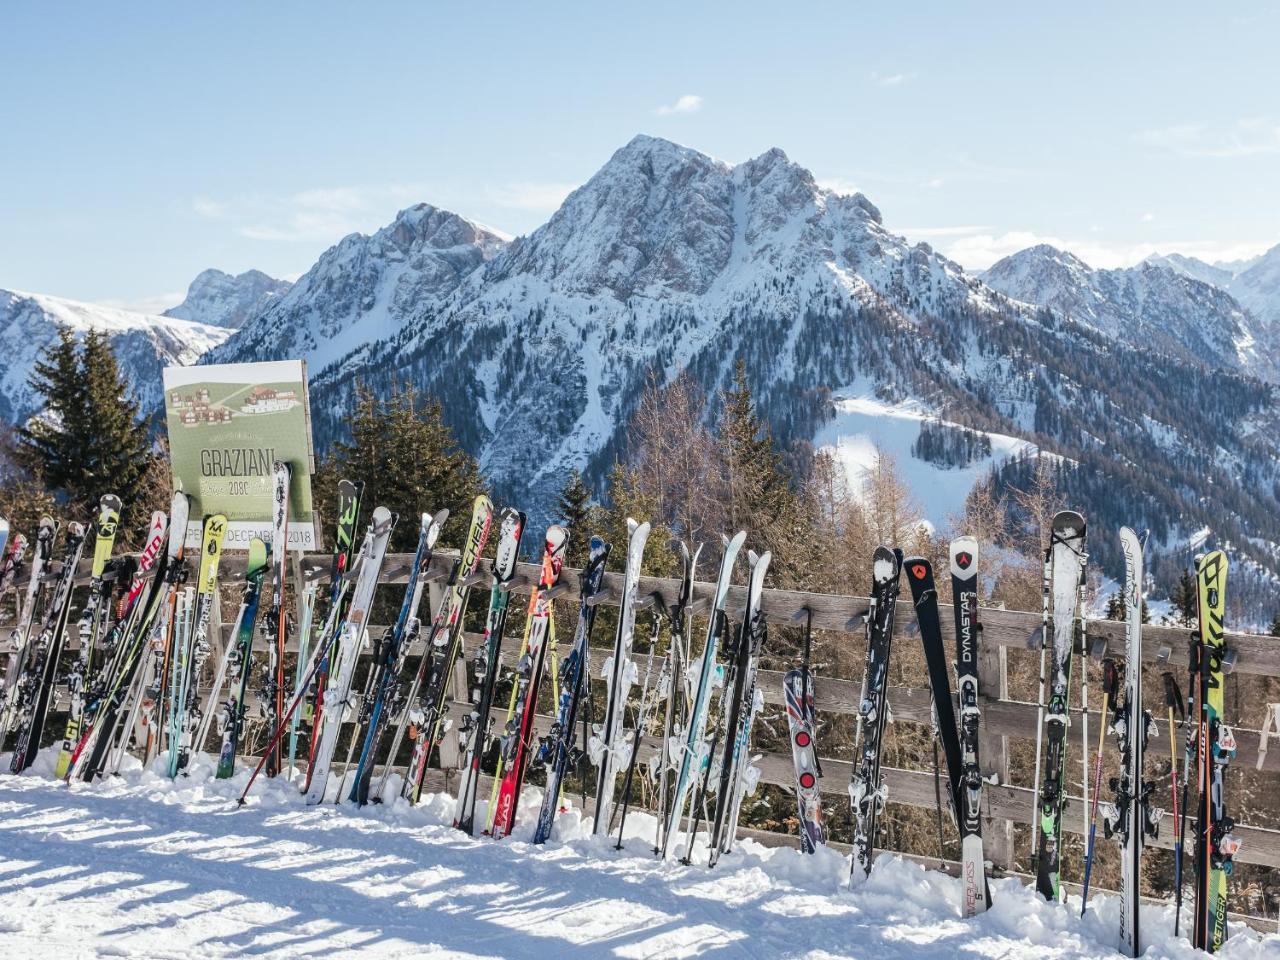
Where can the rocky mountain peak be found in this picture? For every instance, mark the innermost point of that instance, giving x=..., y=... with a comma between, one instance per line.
x=218, y=298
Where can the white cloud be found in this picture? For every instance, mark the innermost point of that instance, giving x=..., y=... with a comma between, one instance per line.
x=529, y=195
x=689, y=103
x=1247, y=137
x=839, y=185
x=891, y=79
x=211, y=209
x=150, y=303
x=977, y=249
x=913, y=233
x=933, y=184
x=1147, y=217
x=321, y=214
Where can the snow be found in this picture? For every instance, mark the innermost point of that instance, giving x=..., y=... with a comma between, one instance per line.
x=143, y=867
x=142, y=343
x=866, y=426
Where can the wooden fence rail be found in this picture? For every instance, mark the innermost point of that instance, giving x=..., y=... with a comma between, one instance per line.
x=1002, y=717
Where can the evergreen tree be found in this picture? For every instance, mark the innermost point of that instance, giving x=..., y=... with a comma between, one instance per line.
x=409, y=462
x=1183, y=600
x=1117, y=609
x=576, y=514
x=89, y=440
x=1275, y=626
x=758, y=494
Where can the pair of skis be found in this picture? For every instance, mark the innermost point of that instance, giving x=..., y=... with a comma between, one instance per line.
x=959, y=739
x=694, y=754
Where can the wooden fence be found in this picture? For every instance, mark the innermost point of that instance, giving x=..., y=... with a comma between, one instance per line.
x=1003, y=719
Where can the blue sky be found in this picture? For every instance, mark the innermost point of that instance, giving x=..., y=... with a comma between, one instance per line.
x=141, y=143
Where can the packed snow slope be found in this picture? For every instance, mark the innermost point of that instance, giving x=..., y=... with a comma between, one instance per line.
x=143, y=344
x=143, y=867
x=668, y=260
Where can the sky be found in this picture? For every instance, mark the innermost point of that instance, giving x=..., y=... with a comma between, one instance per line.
x=141, y=143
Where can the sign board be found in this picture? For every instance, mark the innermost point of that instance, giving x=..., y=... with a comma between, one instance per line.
x=228, y=424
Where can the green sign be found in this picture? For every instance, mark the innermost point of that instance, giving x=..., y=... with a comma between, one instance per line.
x=228, y=425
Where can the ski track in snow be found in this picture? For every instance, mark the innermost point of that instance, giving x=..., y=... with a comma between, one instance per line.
x=140, y=866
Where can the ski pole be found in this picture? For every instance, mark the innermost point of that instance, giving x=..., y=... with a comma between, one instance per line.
x=1173, y=702
x=1110, y=681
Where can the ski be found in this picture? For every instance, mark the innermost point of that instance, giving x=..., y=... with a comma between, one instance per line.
x=475, y=729
x=194, y=648
x=276, y=625
x=156, y=690
x=673, y=683
x=354, y=630
x=390, y=650
x=1215, y=844
x=350, y=496
x=93, y=620
x=20, y=637
x=738, y=776
x=443, y=649
x=517, y=739
x=36, y=685
x=1132, y=817
x=128, y=639
x=867, y=794
x=556, y=751
x=964, y=603
x=924, y=597
x=240, y=658
x=1066, y=565
x=802, y=723
x=608, y=747
x=694, y=758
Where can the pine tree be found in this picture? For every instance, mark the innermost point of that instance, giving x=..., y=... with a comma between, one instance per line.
x=576, y=513
x=1275, y=626
x=758, y=495
x=89, y=440
x=1117, y=609
x=1183, y=600
x=409, y=462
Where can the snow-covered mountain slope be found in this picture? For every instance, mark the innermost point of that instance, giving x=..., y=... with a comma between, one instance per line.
x=1193, y=267
x=140, y=866
x=364, y=289
x=143, y=344
x=670, y=260
x=223, y=300
x=1258, y=288
x=1158, y=305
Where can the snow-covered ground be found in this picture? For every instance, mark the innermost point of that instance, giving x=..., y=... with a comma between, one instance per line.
x=142, y=867
x=865, y=426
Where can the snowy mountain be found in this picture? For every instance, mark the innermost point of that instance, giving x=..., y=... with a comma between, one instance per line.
x=1254, y=282
x=1258, y=288
x=1158, y=304
x=670, y=260
x=365, y=288
x=143, y=344
x=223, y=300
x=1212, y=273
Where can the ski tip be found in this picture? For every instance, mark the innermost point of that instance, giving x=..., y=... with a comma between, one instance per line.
x=964, y=558
x=1068, y=523
x=918, y=569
